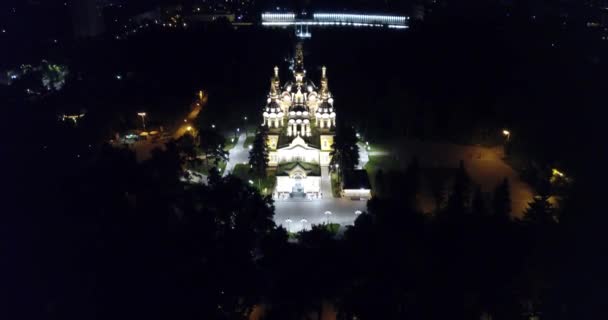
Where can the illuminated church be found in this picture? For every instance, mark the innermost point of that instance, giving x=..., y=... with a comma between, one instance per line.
x=301, y=121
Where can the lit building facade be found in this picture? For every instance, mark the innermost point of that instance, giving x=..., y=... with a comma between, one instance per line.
x=301, y=119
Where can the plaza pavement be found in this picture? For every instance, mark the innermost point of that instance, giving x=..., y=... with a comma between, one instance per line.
x=343, y=210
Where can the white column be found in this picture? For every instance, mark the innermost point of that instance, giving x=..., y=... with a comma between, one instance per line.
x=289, y=131
x=264, y=123
x=308, y=134
x=282, y=122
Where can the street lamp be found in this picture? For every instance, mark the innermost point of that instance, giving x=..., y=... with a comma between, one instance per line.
x=327, y=214
x=304, y=221
x=143, y=118
x=358, y=212
x=213, y=126
x=288, y=221
x=507, y=134
x=189, y=128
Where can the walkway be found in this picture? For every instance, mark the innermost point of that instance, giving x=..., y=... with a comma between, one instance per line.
x=236, y=155
x=363, y=155
x=326, y=183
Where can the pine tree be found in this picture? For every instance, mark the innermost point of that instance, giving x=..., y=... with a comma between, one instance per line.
x=540, y=212
x=258, y=156
x=458, y=198
x=345, y=153
x=478, y=205
x=212, y=145
x=501, y=202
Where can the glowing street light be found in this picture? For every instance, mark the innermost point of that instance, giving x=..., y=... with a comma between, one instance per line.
x=327, y=214
x=507, y=134
x=557, y=173
x=143, y=118
x=189, y=128
x=358, y=212
x=212, y=126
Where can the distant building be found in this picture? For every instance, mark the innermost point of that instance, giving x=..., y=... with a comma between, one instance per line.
x=87, y=19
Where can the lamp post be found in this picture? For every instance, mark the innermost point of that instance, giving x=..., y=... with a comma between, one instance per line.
x=358, y=212
x=328, y=214
x=143, y=119
x=303, y=221
x=245, y=124
x=288, y=221
x=507, y=145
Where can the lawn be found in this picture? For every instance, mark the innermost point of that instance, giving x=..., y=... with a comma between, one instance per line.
x=230, y=143
x=386, y=163
x=265, y=185
x=249, y=141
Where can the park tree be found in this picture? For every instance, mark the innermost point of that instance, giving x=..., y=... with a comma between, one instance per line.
x=258, y=155
x=212, y=145
x=345, y=153
x=478, y=205
x=411, y=183
x=379, y=184
x=458, y=199
x=540, y=212
x=186, y=144
x=501, y=202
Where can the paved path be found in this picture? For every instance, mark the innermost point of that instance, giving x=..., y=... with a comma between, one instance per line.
x=236, y=155
x=326, y=183
x=363, y=155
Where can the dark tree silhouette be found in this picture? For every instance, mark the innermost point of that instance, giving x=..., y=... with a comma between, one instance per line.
x=212, y=145
x=478, y=204
x=345, y=153
x=540, y=212
x=458, y=199
x=501, y=202
x=258, y=155
x=186, y=145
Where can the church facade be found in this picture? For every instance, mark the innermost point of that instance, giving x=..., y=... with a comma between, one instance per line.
x=301, y=120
